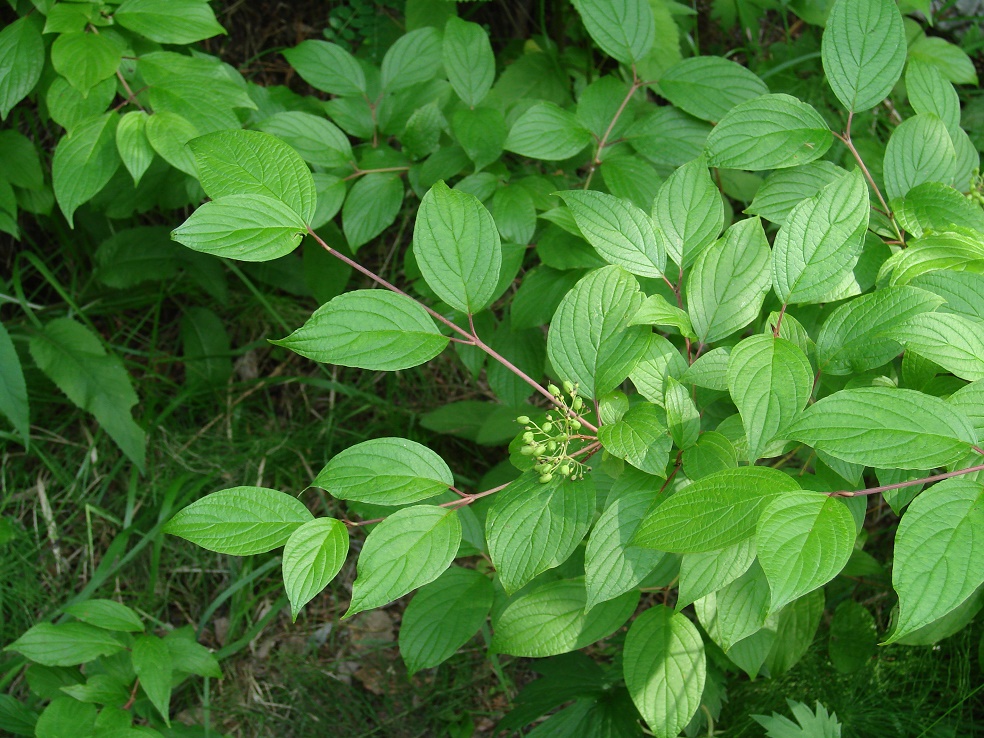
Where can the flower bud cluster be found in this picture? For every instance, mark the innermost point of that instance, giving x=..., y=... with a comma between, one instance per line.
x=549, y=443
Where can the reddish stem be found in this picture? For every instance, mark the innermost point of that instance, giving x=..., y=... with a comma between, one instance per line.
x=900, y=485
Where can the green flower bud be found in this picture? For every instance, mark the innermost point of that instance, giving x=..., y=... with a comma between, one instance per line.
x=544, y=478
x=554, y=390
x=565, y=470
x=551, y=446
x=527, y=450
x=568, y=387
x=547, y=427
x=528, y=437
x=575, y=425
x=523, y=419
x=578, y=403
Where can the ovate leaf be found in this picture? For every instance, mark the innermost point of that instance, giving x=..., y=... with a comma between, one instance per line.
x=468, y=60
x=313, y=555
x=84, y=162
x=955, y=342
x=784, y=189
x=168, y=134
x=708, y=86
x=132, y=143
x=414, y=58
x=736, y=611
x=316, y=140
x=919, y=150
x=689, y=212
x=169, y=21
x=152, y=665
x=546, y=131
x=65, y=644
x=707, y=572
x=21, y=61
x=371, y=207
x=13, y=390
x=624, y=29
x=85, y=59
x=327, y=67
x=107, y=614
x=639, y=437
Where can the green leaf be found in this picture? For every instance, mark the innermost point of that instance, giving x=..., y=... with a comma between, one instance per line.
x=313, y=555
x=929, y=92
x=951, y=60
x=657, y=311
x=22, y=166
x=803, y=540
x=729, y=282
x=13, y=390
x=708, y=87
x=107, y=614
x=853, y=637
x=240, y=521
x=863, y=51
x=818, y=724
x=736, y=611
x=133, y=145
x=551, y=619
x=468, y=60
x=443, y=616
x=457, y=248
x=955, y=342
x=514, y=213
x=21, y=61
x=938, y=560
x=639, y=438
x=539, y=294
x=169, y=21
x=84, y=162
x=919, y=150
x=385, y=471
x=665, y=669
x=784, y=189
x=371, y=207
x=590, y=341
x=85, y=59
x=190, y=657
x=885, y=427
x=168, y=134
x=414, y=58
x=682, y=416
x=243, y=227
x=317, y=140
x=795, y=630
x=768, y=132
x=624, y=29
x=205, y=348
x=933, y=206
x=660, y=361
x=68, y=108
x=410, y=548
x=710, y=370
x=714, y=512
x=859, y=334
x=704, y=573
x=65, y=644
x=66, y=716
x=689, y=212
x=532, y=527
x=75, y=360
x=327, y=67
x=820, y=242
x=254, y=163
x=546, y=131
x=770, y=380
x=481, y=133
x=16, y=717
x=970, y=401
x=668, y=136
x=712, y=452
x=152, y=664
x=958, y=250
x=622, y=233
x=368, y=329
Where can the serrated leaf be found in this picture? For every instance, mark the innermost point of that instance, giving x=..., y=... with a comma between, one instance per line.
x=85, y=160
x=547, y=131
x=863, y=51
x=954, y=342
x=803, y=540
x=665, y=669
x=812, y=724
x=820, y=242
x=770, y=380
x=624, y=29
x=371, y=207
x=107, y=614
x=468, y=60
x=885, y=427
x=65, y=644
x=410, y=548
x=22, y=59
x=532, y=527
x=641, y=438
x=313, y=555
x=327, y=67
x=152, y=665
x=13, y=391
x=590, y=341
x=242, y=227
x=240, y=521
x=169, y=21
x=708, y=86
x=768, y=132
x=689, y=212
x=938, y=562
x=704, y=573
x=784, y=189
x=718, y=511
x=919, y=150
x=736, y=611
x=385, y=471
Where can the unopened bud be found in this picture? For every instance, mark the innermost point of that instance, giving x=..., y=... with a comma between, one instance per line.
x=523, y=419
x=578, y=403
x=544, y=478
x=547, y=427
x=527, y=450
x=568, y=387
x=554, y=390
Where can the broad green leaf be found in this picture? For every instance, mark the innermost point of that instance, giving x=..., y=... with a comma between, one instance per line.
x=859, y=334
x=919, y=150
x=152, y=665
x=68, y=108
x=107, y=614
x=885, y=427
x=190, y=657
x=526, y=350
x=853, y=637
x=689, y=212
x=385, y=471
x=624, y=29
x=737, y=610
x=820, y=242
x=66, y=716
x=959, y=249
x=313, y=555
x=710, y=370
x=708, y=86
x=703, y=573
x=938, y=562
x=316, y=139
x=169, y=21
x=612, y=566
x=682, y=416
x=330, y=191
x=713, y=452
x=796, y=628
x=665, y=669
x=622, y=233
x=22, y=165
x=933, y=206
x=457, y=248
x=481, y=133
x=414, y=58
x=85, y=59
x=803, y=540
x=514, y=213
x=21, y=61
x=74, y=359
x=240, y=521
x=970, y=401
x=631, y=178
x=242, y=227
x=863, y=51
x=410, y=548
x=600, y=106
x=784, y=189
x=254, y=163
x=639, y=438
x=954, y=342
x=168, y=134
x=84, y=162
x=468, y=60
x=552, y=619
x=668, y=136
x=714, y=512
x=770, y=380
x=729, y=282
x=951, y=60
x=660, y=361
x=65, y=644
x=368, y=329
x=371, y=207
x=666, y=46
x=546, y=131
x=954, y=621
x=590, y=341
x=768, y=132
x=929, y=92
x=132, y=144
x=13, y=390
x=327, y=67
x=532, y=527
x=656, y=310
